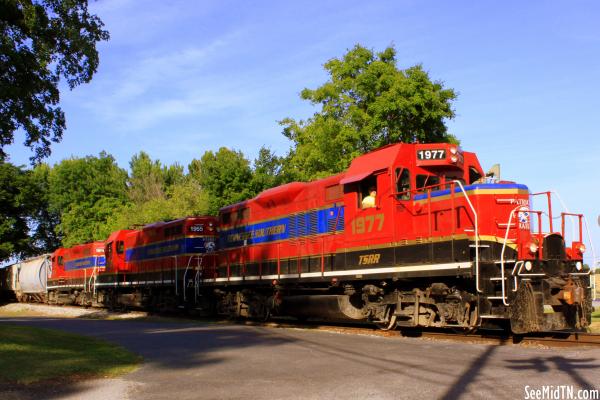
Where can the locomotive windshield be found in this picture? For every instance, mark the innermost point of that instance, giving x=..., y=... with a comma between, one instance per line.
x=427, y=181
x=402, y=184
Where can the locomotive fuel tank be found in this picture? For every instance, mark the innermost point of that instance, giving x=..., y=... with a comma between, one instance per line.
x=325, y=307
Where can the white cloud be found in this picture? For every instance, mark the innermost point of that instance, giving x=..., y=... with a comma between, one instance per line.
x=157, y=86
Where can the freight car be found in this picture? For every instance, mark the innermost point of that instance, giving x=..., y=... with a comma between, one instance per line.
x=439, y=245
x=25, y=281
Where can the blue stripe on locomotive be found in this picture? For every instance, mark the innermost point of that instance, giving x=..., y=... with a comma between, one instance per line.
x=85, y=262
x=292, y=226
x=167, y=249
x=438, y=193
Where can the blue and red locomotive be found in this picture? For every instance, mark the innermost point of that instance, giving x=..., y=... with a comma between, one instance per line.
x=158, y=266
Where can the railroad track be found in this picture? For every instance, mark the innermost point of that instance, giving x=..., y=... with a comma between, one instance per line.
x=550, y=339
x=557, y=339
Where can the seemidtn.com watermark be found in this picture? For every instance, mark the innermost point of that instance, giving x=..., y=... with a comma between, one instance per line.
x=560, y=392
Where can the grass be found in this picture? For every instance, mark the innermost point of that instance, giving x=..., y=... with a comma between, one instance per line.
x=30, y=355
x=595, y=326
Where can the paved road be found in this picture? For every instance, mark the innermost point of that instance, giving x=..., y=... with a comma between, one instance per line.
x=210, y=361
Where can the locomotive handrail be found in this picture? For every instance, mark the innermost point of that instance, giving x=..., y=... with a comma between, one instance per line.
x=475, y=216
x=184, y=284
x=548, y=196
x=93, y=276
x=176, y=292
x=502, y=273
x=476, y=233
x=199, y=258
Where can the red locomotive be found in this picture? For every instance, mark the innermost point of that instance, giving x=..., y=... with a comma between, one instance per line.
x=437, y=244
x=74, y=271
x=159, y=264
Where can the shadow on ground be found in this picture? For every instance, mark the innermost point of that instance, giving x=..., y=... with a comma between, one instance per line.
x=171, y=346
x=177, y=346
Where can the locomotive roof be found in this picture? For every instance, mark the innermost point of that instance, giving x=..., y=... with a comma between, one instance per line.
x=172, y=222
x=365, y=165
x=285, y=193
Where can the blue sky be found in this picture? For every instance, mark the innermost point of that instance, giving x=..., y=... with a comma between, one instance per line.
x=178, y=78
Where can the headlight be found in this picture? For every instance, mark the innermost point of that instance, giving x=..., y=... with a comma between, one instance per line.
x=454, y=159
x=581, y=248
x=453, y=150
x=528, y=266
x=578, y=266
x=533, y=247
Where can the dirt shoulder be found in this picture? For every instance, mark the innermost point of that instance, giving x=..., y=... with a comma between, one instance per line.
x=13, y=310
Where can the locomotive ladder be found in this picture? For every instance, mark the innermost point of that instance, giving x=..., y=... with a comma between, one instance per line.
x=517, y=265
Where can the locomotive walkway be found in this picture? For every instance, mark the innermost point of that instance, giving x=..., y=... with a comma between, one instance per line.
x=223, y=361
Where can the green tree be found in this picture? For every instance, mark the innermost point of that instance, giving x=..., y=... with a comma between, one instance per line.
x=367, y=102
x=186, y=199
x=267, y=171
x=226, y=177
x=158, y=192
x=145, y=181
x=40, y=42
x=43, y=222
x=85, y=192
x=14, y=211
x=150, y=179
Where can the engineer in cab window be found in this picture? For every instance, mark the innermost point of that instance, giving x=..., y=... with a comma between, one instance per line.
x=369, y=201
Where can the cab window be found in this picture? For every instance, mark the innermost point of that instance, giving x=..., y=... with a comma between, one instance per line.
x=367, y=192
x=120, y=247
x=226, y=218
x=402, y=184
x=242, y=214
x=427, y=181
x=60, y=260
x=173, y=230
x=453, y=177
x=474, y=175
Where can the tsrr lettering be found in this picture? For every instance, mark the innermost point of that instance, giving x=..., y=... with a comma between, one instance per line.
x=369, y=259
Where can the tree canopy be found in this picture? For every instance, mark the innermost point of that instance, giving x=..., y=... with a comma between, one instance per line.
x=225, y=175
x=85, y=192
x=367, y=102
x=157, y=192
x=40, y=42
x=14, y=240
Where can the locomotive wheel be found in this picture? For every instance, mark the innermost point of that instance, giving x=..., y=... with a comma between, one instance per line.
x=464, y=331
x=390, y=323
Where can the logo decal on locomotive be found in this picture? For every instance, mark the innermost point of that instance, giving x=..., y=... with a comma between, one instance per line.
x=369, y=259
x=256, y=233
